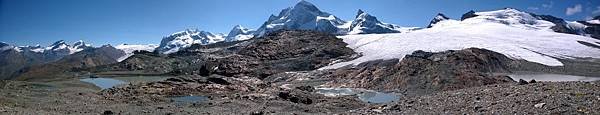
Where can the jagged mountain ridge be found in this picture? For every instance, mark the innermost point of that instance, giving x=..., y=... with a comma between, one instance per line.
x=17, y=59
x=302, y=16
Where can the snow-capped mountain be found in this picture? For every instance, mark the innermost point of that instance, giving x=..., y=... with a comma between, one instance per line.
x=129, y=49
x=4, y=46
x=511, y=17
x=60, y=47
x=184, y=39
x=516, y=34
x=368, y=24
x=525, y=20
x=239, y=33
x=52, y=52
x=303, y=16
x=438, y=18
x=15, y=59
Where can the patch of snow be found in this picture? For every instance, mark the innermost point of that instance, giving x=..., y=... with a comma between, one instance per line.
x=593, y=21
x=328, y=18
x=129, y=49
x=18, y=49
x=38, y=50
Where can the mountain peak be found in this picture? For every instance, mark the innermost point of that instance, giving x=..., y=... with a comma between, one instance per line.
x=80, y=45
x=59, y=42
x=441, y=16
x=302, y=8
x=467, y=15
x=302, y=16
x=305, y=5
x=365, y=24
x=78, y=42
x=239, y=33
x=438, y=18
x=238, y=27
x=360, y=11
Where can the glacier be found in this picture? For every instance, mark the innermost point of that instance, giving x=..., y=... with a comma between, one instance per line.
x=509, y=32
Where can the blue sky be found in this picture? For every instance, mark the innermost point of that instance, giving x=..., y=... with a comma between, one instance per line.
x=30, y=22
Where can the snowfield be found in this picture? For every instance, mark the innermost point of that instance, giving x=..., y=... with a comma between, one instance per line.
x=513, y=39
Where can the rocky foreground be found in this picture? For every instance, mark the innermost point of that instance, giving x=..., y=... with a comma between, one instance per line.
x=508, y=98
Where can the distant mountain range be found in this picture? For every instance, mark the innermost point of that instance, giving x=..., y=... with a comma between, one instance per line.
x=302, y=16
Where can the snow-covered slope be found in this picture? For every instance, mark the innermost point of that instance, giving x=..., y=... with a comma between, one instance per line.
x=513, y=34
x=184, y=39
x=239, y=33
x=129, y=49
x=368, y=24
x=303, y=16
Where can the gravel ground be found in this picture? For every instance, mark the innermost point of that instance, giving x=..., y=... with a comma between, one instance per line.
x=510, y=98
x=73, y=97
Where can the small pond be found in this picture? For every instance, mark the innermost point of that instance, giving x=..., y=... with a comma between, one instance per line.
x=551, y=77
x=369, y=96
x=181, y=100
x=105, y=83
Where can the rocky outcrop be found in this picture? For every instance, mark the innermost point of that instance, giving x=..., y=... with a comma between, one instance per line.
x=426, y=72
x=560, y=25
x=467, y=15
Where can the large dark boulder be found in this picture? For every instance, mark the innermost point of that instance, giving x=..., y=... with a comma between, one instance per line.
x=427, y=72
